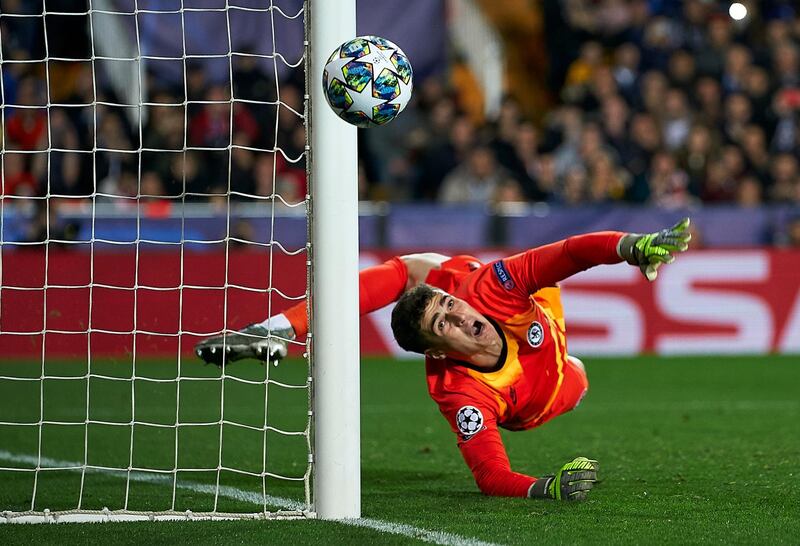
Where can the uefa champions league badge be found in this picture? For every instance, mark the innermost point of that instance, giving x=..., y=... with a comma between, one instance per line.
x=502, y=275
x=535, y=334
x=469, y=421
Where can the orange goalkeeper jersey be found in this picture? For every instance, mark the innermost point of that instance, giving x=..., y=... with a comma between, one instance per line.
x=519, y=297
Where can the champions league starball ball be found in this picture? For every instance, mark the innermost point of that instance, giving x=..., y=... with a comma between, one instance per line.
x=367, y=81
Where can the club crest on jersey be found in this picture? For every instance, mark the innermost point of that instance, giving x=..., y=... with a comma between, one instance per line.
x=502, y=275
x=535, y=334
x=469, y=421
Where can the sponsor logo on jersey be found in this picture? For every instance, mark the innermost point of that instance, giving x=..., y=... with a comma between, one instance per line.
x=502, y=275
x=469, y=421
x=535, y=334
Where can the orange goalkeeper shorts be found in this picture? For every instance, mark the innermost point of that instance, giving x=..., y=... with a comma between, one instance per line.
x=573, y=388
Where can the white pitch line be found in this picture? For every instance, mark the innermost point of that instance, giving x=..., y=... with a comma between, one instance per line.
x=434, y=537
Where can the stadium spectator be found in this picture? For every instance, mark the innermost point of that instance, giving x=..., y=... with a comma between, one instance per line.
x=165, y=128
x=250, y=83
x=26, y=128
x=546, y=177
x=114, y=140
x=120, y=190
x=64, y=177
x=738, y=114
x=676, y=119
x=757, y=87
x=508, y=192
x=196, y=81
x=290, y=113
x=263, y=171
x=152, y=193
x=645, y=142
x=719, y=185
x=615, y=114
x=668, y=183
x=506, y=133
x=738, y=61
x=211, y=127
x=785, y=105
x=786, y=62
x=186, y=174
x=754, y=147
x=475, y=180
x=525, y=162
x=17, y=177
x=606, y=182
x=697, y=156
x=708, y=97
x=682, y=70
x=243, y=158
x=785, y=179
x=710, y=57
x=748, y=192
x=442, y=146
x=568, y=124
x=626, y=70
x=572, y=189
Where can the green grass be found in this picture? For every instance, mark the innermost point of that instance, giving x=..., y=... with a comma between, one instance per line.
x=692, y=450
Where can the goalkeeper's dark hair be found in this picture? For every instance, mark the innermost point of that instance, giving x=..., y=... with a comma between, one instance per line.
x=407, y=318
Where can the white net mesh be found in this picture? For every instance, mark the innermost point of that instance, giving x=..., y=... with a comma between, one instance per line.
x=153, y=194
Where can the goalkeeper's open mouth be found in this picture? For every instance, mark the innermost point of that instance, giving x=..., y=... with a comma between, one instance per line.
x=477, y=328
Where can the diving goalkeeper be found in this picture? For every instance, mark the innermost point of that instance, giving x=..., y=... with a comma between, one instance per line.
x=494, y=339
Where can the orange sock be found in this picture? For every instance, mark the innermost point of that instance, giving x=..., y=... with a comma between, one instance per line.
x=378, y=286
x=296, y=314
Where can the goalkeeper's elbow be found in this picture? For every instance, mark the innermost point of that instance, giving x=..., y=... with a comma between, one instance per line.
x=486, y=485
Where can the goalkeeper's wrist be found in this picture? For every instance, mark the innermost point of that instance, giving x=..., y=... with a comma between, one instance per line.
x=540, y=489
x=626, y=248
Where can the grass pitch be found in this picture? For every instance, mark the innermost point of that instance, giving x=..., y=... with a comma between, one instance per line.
x=692, y=450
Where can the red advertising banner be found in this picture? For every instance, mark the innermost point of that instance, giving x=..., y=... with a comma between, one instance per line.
x=718, y=302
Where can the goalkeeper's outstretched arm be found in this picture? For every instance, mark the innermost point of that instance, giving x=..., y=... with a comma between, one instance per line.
x=547, y=265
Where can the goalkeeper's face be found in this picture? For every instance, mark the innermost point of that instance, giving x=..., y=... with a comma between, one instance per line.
x=454, y=328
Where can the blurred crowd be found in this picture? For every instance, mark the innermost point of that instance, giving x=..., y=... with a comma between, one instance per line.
x=671, y=104
x=68, y=133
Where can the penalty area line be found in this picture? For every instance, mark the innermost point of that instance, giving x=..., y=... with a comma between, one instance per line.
x=434, y=537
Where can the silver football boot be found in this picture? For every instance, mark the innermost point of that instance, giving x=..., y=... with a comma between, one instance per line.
x=252, y=341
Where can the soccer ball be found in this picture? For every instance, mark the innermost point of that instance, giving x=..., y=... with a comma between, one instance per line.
x=367, y=81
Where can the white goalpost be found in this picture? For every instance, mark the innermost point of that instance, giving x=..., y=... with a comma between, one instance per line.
x=335, y=344
x=160, y=211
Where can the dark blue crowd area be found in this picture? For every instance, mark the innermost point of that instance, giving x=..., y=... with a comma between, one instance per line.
x=658, y=105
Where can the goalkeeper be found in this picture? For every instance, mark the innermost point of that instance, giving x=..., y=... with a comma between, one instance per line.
x=495, y=342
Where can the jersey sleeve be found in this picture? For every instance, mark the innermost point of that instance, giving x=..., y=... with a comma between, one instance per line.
x=546, y=265
x=483, y=450
x=504, y=287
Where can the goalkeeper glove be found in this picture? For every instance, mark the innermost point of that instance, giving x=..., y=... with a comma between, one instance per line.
x=651, y=250
x=572, y=482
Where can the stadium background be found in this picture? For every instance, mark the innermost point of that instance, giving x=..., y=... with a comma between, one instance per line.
x=530, y=122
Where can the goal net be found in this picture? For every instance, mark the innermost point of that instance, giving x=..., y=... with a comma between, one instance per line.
x=155, y=193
